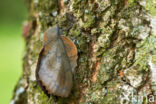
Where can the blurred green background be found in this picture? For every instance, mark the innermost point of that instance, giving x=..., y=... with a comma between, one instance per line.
x=12, y=15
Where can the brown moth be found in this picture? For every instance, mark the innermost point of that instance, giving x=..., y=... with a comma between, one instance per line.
x=56, y=63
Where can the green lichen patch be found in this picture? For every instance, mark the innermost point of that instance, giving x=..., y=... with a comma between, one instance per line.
x=134, y=77
x=111, y=63
x=47, y=12
x=63, y=21
x=154, y=59
x=35, y=46
x=151, y=6
x=79, y=7
x=107, y=94
x=42, y=98
x=104, y=40
x=89, y=21
x=131, y=1
x=133, y=24
x=143, y=52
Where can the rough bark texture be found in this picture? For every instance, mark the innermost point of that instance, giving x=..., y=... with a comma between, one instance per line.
x=116, y=44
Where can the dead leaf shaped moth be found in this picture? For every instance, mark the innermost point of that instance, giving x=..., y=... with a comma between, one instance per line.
x=56, y=63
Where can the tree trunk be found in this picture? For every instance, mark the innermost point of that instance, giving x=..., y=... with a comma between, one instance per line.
x=116, y=44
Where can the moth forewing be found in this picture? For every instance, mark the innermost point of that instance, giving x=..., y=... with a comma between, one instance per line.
x=71, y=52
x=64, y=77
x=55, y=70
x=57, y=60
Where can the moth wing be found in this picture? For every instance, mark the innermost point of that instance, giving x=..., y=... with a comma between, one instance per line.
x=55, y=70
x=37, y=72
x=71, y=51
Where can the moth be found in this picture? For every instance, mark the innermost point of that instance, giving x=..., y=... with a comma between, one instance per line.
x=56, y=63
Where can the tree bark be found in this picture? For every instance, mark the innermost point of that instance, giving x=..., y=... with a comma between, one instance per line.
x=116, y=44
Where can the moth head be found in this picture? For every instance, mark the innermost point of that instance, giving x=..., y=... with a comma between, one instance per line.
x=52, y=34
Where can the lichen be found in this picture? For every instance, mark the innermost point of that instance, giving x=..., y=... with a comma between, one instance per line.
x=153, y=25
x=134, y=77
x=131, y=1
x=150, y=5
x=104, y=95
x=104, y=41
x=49, y=9
x=112, y=62
x=106, y=32
x=144, y=49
